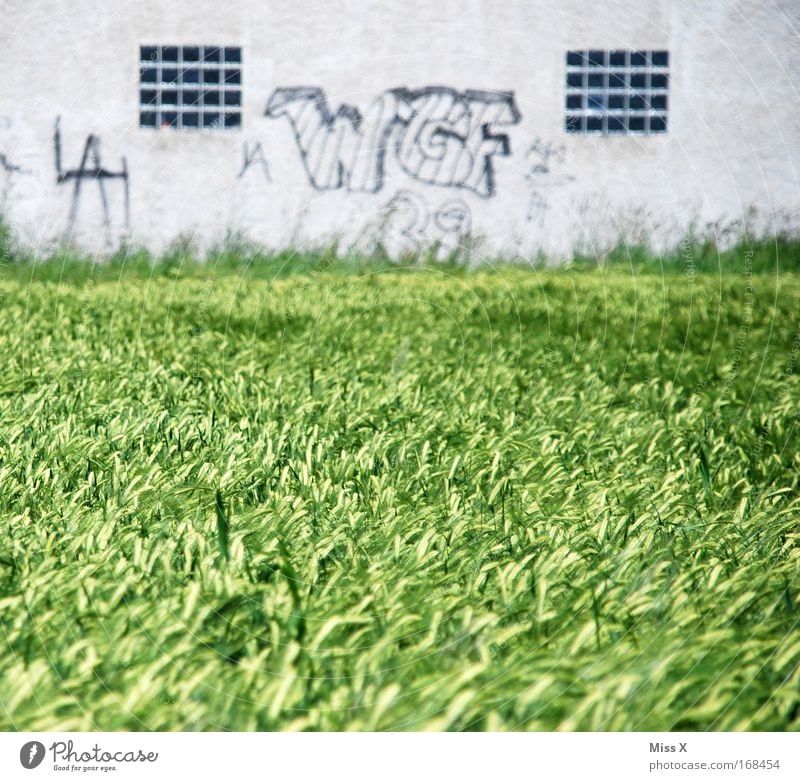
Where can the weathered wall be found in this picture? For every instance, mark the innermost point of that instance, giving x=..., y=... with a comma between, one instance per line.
x=69, y=107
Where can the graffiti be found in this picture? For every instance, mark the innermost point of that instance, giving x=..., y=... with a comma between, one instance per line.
x=410, y=224
x=545, y=162
x=9, y=168
x=435, y=135
x=89, y=169
x=252, y=156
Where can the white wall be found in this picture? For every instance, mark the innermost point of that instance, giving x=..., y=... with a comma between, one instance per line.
x=732, y=145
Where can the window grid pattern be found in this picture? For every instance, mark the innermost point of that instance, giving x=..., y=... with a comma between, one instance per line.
x=617, y=92
x=190, y=87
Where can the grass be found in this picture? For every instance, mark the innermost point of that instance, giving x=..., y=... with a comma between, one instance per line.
x=420, y=498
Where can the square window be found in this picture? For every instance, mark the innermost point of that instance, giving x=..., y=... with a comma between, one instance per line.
x=616, y=89
x=636, y=124
x=616, y=124
x=212, y=97
x=660, y=59
x=575, y=79
x=576, y=59
x=170, y=79
x=212, y=119
x=617, y=59
x=638, y=59
x=594, y=124
x=212, y=54
x=618, y=80
x=597, y=59
x=572, y=124
x=596, y=102
x=190, y=119
x=658, y=81
x=659, y=102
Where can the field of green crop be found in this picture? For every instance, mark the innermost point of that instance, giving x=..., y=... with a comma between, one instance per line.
x=411, y=498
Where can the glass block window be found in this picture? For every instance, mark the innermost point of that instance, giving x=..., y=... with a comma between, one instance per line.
x=620, y=92
x=190, y=87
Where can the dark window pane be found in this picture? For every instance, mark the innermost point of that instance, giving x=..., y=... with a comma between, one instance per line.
x=190, y=97
x=190, y=119
x=575, y=79
x=148, y=53
x=212, y=54
x=658, y=81
x=638, y=59
x=233, y=77
x=191, y=76
x=211, y=76
x=636, y=124
x=616, y=59
x=616, y=101
x=169, y=97
x=597, y=58
x=660, y=59
x=618, y=80
x=233, y=54
x=211, y=97
x=594, y=123
x=191, y=53
x=147, y=119
x=149, y=75
x=596, y=102
x=636, y=103
x=169, y=118
x=573, y=124
x=575, y=58
x=574, y=101
x=659, y=102
x=616, y=124
x=233, y=98
x=148, y=96
x=638, y=80
x=169, y=75
x=596, y=79
x=169, y=53
x=233, y=119
x=211, y=119
x=658, y=124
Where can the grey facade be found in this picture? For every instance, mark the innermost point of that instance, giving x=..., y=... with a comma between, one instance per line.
x=509, y=127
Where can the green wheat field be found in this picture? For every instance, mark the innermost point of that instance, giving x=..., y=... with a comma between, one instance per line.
x=300, y=493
